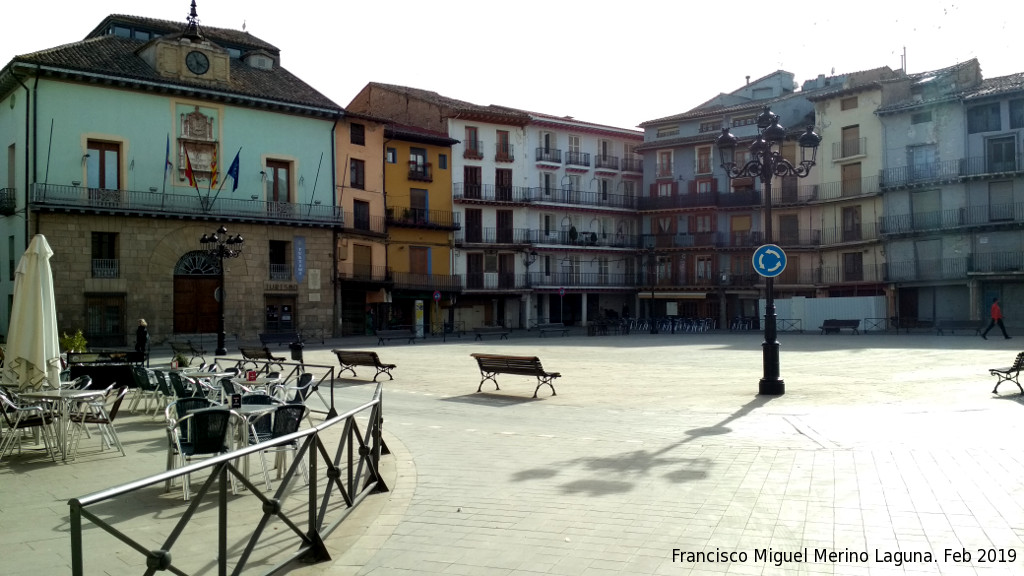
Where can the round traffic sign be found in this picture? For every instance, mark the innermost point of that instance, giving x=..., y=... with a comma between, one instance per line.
x=561, y=291
x=437, y=295
x=769, y=260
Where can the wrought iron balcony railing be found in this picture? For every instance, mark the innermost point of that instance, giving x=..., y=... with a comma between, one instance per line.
x=8, y=201
x=280, y=272
x=952, y=170
x=577, y=159
x=981, y=215
x=918, y=270
x=842, y=274
x=492, y=236
x=441, y=282
x=605, y=162
x=849, y=148
x=581, y=280
x=997, y=262
x=420, y=172
x=572, y=237
x=496, y=281
x=504, y=153
x=694, y=200
x=57, y=197
x=420, y=218
x=551, y=155
x=363, y=272
x=490, y=193
x=633, y=165
x=106, y=268
x=474, y=150
x=554, y=195
x=362, y=223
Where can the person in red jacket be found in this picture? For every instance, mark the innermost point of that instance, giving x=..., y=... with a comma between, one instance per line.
x=997, y=318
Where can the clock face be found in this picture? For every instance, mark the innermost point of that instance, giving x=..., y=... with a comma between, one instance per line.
x=197, y=62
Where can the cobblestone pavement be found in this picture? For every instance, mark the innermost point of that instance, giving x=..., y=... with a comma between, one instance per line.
x=656, y=456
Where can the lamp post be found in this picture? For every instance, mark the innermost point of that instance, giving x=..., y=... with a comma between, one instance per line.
x=765, y=161
x=723, y=282
x=220, y=245
x=652, y=274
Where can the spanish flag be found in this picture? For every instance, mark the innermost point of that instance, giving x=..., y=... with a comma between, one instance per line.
x=188, y=170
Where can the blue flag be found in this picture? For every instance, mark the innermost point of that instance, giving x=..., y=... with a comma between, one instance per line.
x=233, y=172
x=167, y=157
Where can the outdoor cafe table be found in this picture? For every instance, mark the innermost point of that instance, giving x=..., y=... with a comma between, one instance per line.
x=66, y=398
x=260, y=383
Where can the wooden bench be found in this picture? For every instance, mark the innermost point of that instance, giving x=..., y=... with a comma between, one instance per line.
x=401, y=334
x=500, y=331
x=349, y=359
x=833, y=326
x=1009, y=374
x=942, y=326
x=552, y=327
x=493, y=364
x=188, y=349
x=267, y=338
x=255, y=355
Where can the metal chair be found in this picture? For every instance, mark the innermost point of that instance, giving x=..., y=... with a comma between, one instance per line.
x=286, y=420
x=98, y=414
x=197, y=434
x=20, y=418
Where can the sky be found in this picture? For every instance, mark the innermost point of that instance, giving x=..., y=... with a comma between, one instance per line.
x=613, y=63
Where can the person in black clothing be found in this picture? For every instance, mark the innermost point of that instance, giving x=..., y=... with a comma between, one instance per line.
x=142, y=337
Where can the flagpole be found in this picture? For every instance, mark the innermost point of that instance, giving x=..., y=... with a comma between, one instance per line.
x=235, y=178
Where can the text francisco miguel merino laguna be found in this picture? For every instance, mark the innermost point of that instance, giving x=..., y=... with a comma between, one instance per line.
x=780, y=557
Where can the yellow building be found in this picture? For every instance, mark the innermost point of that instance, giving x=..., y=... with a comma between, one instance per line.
x=420, y=225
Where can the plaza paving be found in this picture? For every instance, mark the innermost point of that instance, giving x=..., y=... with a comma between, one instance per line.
x=655, y=447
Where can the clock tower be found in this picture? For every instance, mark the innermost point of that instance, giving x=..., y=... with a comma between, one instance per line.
x=188, y=56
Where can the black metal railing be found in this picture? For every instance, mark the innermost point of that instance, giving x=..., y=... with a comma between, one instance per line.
x=577, y=159
x=474, y=149
x=420, y=172
x=490, y=193
x=496, y=281
x=849, y=147
x=552, y=155
x=55, y=196
x=606, y=162
x=504, y=153
x=421, y=218
x=581, y=280
x=980, y=215
x=847, y=274
x=795, y=237
x=365, y=223
x=951, y=170
x=632, y=165
x=862, y=232
x=363, y=272
x=280, y=272
x=106, y=268
x=492, y=236
x=582, y=198
x=343, y=464
x=918, y=270
x=996, y=262
x=442, y=282
x=664, y=170
x=694, y=200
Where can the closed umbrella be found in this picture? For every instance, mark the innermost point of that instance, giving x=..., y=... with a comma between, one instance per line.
x=33, y=349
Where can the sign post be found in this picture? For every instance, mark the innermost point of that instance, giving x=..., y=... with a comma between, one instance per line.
x=561, y=303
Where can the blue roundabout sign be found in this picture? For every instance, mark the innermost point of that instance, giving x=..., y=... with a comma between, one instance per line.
x=769, y=260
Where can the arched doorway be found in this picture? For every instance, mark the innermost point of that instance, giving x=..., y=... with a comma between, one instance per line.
x=196, y=284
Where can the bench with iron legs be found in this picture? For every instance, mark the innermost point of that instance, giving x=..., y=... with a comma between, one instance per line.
x=401, y=334
x=254, y=355
x=833, y=326
x=951, y=326
x=552, y=327
x=349, y=359
x=1009, y=373
x=188, y=349
x=500, y=331
x=493, y=364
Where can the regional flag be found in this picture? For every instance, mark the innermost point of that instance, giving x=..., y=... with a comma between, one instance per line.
x=167, y=157
x=213, y=169
x=188, y=170
x=233, y=171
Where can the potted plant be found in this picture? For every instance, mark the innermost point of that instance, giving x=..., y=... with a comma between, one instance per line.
x=73, y=343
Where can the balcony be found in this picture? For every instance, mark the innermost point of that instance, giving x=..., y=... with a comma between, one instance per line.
x=504, y=152
x=855, y=274
x=549, y=155
x=8, y=201
x=106, y=268
x=53, y=197
x=365, y=224
x=573, y=237
x=867, y=231
x=582, y=280
x=952, y=171
x=664, y=170
x=496, y=281
x=997, y=262
x=363, y=273
x=420, y=172
x=429, y=282
x=925, y=270
x=798, y=238
x=578, y=159
x=849, y=148
x=552, y=195
x=985, y=215
x=633, y=165
x=739, y=198
x=606, y=163
x=483, y=236
x=474, y=150
x=420, y=218
x=280, y=272
x=490, y=193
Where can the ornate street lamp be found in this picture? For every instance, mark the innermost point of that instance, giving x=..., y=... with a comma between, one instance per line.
x=766, y=162
x=220, y=245
x=652, y=274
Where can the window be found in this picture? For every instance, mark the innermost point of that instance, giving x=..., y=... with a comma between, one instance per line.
x=418, y=205
x=442, y=161
x=921, y=117
x=851, y=184
x=503, y=219
x=851, y=224
x=665, y=189
x=1000, y=201
x=1000, y=154
x=983, y=118
x=926, y=208
x=628, y=188
x=472, y=177
x=278, y=261
x=474, y=148
x=701, y=223
x=705, y=186
x=703, y=268
x=357, y=134
x=789, y=229
x=853, y=266
x=419, y=260
x=666, y=132
x=848, y=103
x=1017, y=114
x=664, y=163
x=745, y=120
x=474, y=225
x=361, y=215
x=850, y=142
x=504, y=149
x=419, y=168
x=103, y=165
x=357, y=174
x=547, y=180
x=105, y=263
x=278, y=181
x=710, y=126
x=503, y=184
x=704, y=160
x=922, y=160
x=574, y=144
x=391, y=157
x=105, y=317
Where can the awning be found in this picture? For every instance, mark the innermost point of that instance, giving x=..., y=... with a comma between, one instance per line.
x=674, y=295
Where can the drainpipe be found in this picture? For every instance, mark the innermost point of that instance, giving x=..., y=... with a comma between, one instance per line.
x=29, y=109
x=336, y=307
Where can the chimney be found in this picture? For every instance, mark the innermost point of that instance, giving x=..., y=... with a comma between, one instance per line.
x=748, y=80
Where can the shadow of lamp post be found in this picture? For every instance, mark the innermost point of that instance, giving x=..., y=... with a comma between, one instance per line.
x=764, y=160
x=220, y=245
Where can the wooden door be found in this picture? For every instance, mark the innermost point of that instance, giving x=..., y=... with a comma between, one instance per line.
x=196, y=310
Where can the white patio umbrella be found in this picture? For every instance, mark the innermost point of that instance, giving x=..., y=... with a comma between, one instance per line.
x=32, y=356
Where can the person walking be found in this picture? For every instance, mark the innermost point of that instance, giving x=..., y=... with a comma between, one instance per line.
x=142, y=337
x=997, y=318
